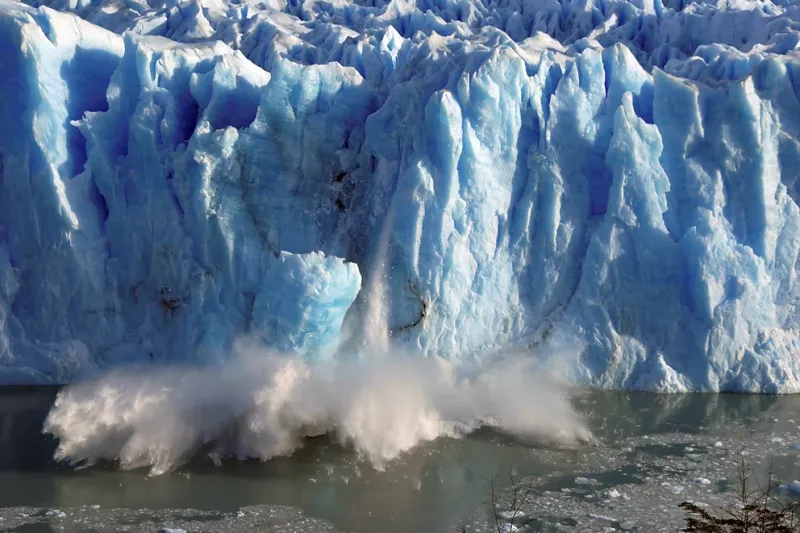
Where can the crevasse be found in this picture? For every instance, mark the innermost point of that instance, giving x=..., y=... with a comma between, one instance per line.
x=622, y=175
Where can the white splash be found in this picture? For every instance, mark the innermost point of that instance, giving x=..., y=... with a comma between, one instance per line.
x=262, y=405
x=376, y=341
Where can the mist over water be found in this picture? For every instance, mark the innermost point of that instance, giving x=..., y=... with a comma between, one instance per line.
x=262, y=405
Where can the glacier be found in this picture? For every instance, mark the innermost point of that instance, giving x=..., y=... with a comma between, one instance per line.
x=617, y=175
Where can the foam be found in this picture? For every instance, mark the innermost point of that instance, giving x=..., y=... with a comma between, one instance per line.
x=262, y=405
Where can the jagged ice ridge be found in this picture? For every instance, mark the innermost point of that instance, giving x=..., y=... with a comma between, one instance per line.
x=624, y=175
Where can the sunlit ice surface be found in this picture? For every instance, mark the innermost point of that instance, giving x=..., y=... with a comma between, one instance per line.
x=493, y=175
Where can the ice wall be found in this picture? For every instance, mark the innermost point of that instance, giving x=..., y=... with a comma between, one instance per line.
x=621, y=175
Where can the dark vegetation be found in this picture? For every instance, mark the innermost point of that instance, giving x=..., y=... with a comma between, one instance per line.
x=758, y=508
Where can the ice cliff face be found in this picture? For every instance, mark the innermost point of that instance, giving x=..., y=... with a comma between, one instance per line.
x=623, y=174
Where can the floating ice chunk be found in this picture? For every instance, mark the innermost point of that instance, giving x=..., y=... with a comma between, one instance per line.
x=792, y=487
x=604, y=518
x=512, y=516
x=674, y=489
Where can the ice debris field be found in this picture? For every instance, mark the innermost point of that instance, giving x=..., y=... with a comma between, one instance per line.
x=498, y=174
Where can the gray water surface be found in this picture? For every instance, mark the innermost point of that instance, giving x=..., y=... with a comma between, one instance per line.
x=652, y=451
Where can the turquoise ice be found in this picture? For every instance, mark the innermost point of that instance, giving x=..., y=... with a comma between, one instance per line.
x=619, y=175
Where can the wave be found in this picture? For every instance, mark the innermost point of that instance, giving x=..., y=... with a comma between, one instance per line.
x=261, y=405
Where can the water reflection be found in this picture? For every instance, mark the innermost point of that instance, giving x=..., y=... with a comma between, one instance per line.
x=617, y=415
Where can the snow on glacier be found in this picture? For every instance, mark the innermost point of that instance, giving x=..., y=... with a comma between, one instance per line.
x=621, y=176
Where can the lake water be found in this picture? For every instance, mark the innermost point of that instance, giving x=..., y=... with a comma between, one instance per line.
x=654, y=451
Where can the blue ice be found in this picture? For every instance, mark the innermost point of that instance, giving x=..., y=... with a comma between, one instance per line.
x=617, y=177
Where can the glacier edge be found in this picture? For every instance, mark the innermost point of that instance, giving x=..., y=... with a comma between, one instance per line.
x=200, y=170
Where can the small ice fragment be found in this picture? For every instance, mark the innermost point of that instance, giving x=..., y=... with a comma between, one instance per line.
x=171, y=530
x=613, y=494
x=585, y=481
x=689, y=449
x=793, y=487
x=508, y=528
x=674, y=489
x=627, y=525
x=602, y=517
x=702, y=481
x=718, y=444
x=776, y=440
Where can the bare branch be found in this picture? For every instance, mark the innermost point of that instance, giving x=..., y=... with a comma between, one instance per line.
x=758, y=510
